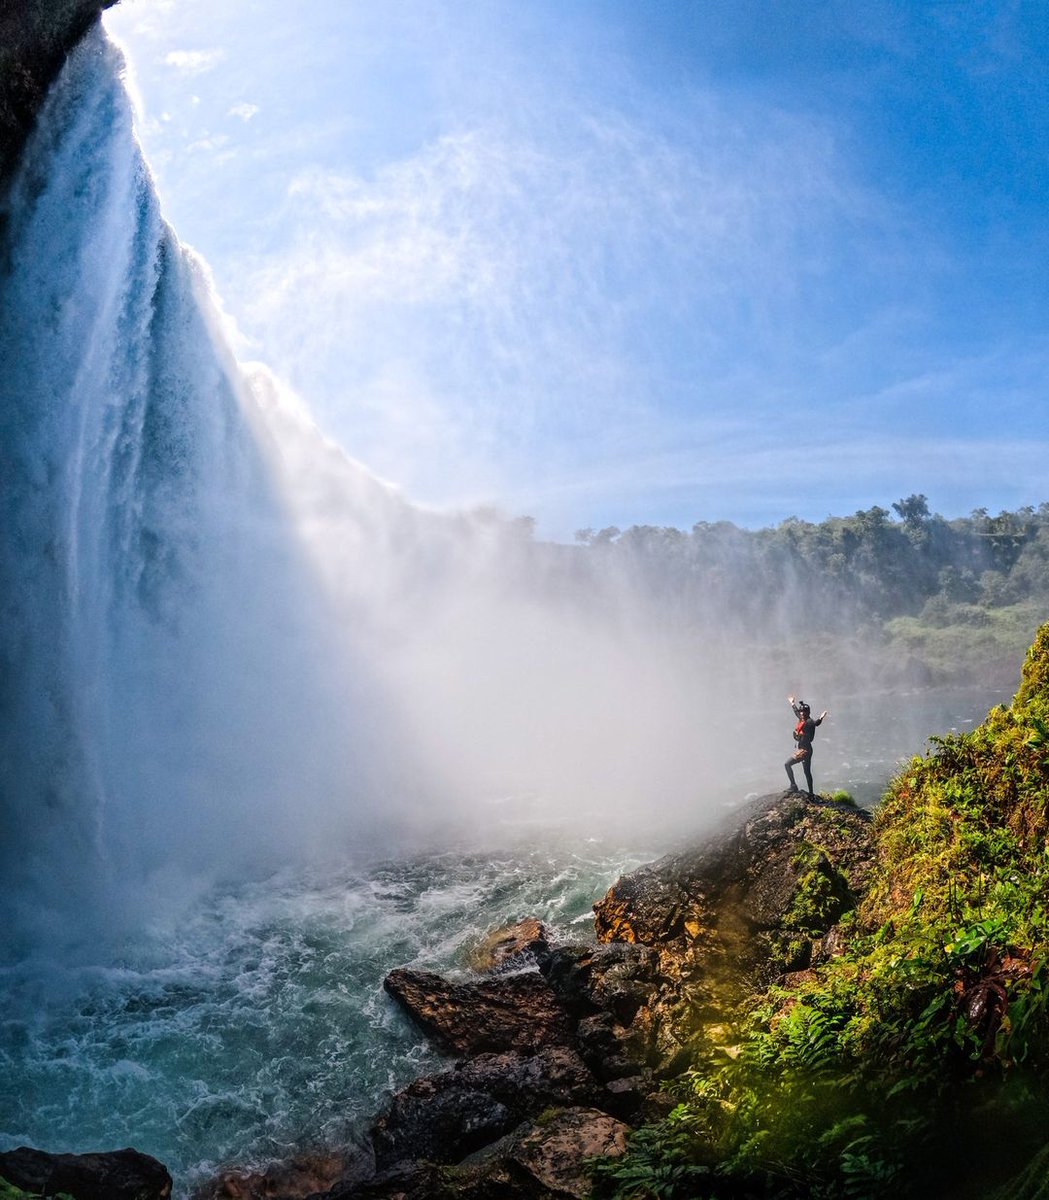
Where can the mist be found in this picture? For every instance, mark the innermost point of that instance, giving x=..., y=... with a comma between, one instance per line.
x=228, y=646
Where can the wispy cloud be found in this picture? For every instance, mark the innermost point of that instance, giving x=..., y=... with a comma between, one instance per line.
x=524, y=275
x=194, y=62
x=524, y=251
x=209, y=144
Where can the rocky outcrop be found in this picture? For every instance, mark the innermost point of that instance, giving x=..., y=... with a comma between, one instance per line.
x=759, y=900
x=560, y=1057
x=35, y=37
x=784, y=870
x=515, y=1012
x=117, y=1175
x=447, y=1116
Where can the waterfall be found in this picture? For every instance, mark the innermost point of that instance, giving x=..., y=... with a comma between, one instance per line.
x=223, y=641
x=156, y=650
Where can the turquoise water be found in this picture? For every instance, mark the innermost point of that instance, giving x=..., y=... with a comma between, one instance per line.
x=259, y=1023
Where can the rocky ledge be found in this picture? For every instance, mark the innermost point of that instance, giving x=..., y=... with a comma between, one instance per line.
x=561, y=1047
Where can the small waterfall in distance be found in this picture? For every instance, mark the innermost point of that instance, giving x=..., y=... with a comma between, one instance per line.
x=224, y=643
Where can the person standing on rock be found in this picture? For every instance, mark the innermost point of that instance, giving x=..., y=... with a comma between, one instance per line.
x=804, y=732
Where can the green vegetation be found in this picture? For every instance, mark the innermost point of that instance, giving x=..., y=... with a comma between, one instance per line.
x=916, y=1062
x=8, y=1191
x=943, y=600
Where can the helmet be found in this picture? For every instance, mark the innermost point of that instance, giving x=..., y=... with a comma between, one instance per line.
x=803, y=707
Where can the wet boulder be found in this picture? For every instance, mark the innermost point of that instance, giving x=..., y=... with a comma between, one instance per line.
x=512, y=1012
x=444, y=1117
x=610, y=992
x=544, y=1159
x=112, y=1175
x=510, y=946
x=301, y=1177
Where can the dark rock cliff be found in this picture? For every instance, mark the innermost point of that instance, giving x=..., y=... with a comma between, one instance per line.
x=35, y=37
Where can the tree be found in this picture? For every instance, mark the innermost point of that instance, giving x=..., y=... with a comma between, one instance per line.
x=913, y=511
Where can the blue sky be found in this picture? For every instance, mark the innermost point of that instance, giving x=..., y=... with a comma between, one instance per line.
x=628, y=262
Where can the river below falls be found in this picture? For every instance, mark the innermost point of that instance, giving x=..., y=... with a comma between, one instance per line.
x=256, y=1023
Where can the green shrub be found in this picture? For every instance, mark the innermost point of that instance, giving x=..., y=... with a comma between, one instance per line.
x=936, y=1016
x=8, y=1191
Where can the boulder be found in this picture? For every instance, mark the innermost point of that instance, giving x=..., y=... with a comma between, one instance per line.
x=545, y=1159
x=510, y=946
x=303, y=1176
x=444, y=1117
x=408, y=1181
x=112, y=1175
x=610, y=992
x=513, y=1012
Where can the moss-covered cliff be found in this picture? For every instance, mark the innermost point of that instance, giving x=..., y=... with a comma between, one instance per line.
x=35, y=37
x=915, y=1060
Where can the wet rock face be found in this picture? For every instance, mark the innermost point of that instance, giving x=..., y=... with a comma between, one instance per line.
x=608, y=992
x=757, y=901
x=543, y=1159
x=116, y=1175
x=513, y=1012
x=444, y=1117
x=35, y=37
x=783, y=873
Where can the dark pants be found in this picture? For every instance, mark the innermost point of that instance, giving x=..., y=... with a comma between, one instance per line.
x=802, y=759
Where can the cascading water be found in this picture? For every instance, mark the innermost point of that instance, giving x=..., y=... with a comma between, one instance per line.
x=158, y=643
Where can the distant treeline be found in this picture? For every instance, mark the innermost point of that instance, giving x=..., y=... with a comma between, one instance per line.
x=871, y=567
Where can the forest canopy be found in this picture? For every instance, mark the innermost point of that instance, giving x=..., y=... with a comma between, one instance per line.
x=949, y=595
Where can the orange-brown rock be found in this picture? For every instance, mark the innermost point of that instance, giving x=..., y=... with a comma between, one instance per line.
x=512, y=1012
x=782, y=870
x=510, y=946
x=305, y=1175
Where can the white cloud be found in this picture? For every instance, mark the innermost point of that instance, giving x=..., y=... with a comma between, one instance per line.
x=244, y=111
x=209, y=144
x=522, y=274
x=194, y=62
